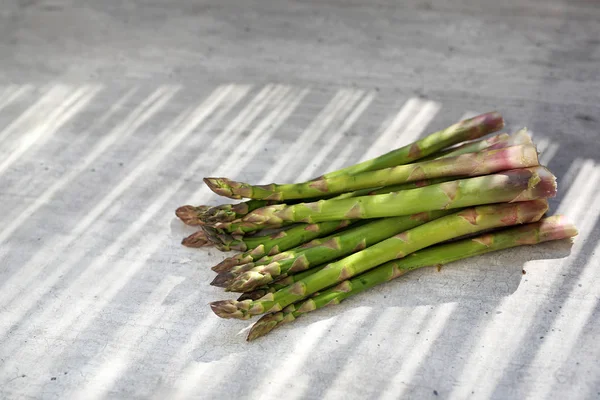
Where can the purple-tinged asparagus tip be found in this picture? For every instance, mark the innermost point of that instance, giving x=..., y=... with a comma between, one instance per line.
x=223, y=279
x=226, y=265
x=231, y=308
x=188, y=215
x=197, y=239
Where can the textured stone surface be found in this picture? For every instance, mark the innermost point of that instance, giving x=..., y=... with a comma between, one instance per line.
x=111, y=114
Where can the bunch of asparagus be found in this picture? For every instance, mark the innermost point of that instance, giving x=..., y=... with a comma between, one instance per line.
x=448, y=196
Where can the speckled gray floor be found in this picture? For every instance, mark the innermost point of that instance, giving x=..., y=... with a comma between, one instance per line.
x=111, y=114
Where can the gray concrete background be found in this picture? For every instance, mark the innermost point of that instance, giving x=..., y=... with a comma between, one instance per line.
x=112, y=112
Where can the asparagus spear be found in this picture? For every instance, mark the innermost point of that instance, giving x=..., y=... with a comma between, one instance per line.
x=468, y=129
x=514, y=185
x=551, y=228
x=250, y=276
x=471, y=164
x=465, y=222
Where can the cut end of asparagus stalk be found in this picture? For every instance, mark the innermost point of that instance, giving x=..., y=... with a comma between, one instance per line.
x=556, y=228
x=224, y=187
x=541, y=183
x=190, y=215
x=196, y=240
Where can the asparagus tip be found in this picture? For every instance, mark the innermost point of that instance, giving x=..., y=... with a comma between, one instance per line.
x=197, y=239
x=222, y=187
x=249, y=280
x=225, y=265
x=223, y=279
x=231, y=308
x=188, y=215
x=264, y=325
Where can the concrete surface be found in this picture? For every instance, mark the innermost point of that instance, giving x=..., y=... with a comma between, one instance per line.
x=112, y=112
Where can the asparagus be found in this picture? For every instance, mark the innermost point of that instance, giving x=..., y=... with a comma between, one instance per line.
x=471, y=164
x=465, y=222
x=249, y=277
x=468, y=129
x=551, y=228
x=507, y=186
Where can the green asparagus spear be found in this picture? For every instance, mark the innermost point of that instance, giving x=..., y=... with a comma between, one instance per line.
x=471, y=164
x=249, y=277
x=468, y=129
x=551, y=228
x=465, y=222
x=514, y=185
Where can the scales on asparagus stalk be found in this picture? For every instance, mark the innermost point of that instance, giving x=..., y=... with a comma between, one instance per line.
x=465, y=222
x=552, y=228
x=470, y=164
x=250, y=276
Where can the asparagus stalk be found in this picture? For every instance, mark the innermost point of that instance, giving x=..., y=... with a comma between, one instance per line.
x=551, y=228
x=507, y=186
x=465, y=222
x=250, y=276
x=471, y=164
x=468, y=129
